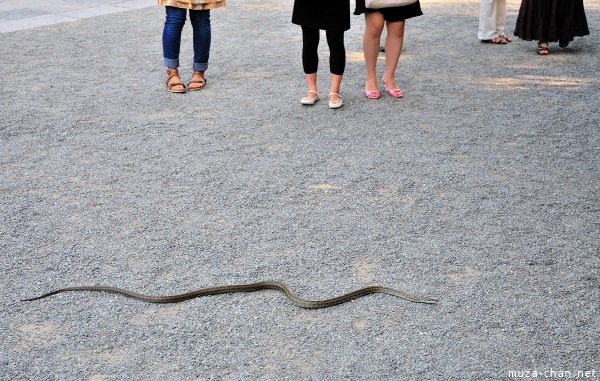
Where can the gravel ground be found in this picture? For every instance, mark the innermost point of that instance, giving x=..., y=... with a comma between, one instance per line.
x=479, y=188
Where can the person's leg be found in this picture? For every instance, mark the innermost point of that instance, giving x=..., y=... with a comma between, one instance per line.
x=501, y=20
x=175, y=19
x=393, y=49
x=200, y=20
x=487, y=22
x=373, y=27
x=337, y=62
x=310, y=58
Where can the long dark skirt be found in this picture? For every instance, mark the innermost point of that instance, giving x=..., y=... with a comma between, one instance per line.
x=551, y=20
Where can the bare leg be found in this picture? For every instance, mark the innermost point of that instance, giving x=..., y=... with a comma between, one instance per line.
x=336, y=81
x=311, y=81
x=371, y=40
x=393, y=48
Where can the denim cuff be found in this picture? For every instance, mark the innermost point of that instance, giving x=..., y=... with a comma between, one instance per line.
x=171, y=62
x=200, y=66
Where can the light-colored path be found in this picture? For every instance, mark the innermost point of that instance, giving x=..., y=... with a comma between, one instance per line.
x=18, y=15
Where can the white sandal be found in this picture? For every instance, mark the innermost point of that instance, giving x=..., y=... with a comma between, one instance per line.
x=310, y=101
x=335, y=104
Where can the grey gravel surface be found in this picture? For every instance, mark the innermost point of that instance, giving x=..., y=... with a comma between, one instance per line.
x=479, y=188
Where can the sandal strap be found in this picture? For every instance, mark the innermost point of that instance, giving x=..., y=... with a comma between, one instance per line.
x=200, y=81
x=171, y=85
x=171, y=76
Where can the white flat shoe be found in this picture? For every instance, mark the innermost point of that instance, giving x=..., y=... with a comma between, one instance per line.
x=310, y=101
x=335, y=104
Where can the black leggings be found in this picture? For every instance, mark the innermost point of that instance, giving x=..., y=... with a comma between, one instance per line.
x=310, y=45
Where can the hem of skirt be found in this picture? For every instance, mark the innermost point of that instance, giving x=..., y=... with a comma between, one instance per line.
x=360, y=12
x=320, y=27
x=187, y=5
x=553, y=38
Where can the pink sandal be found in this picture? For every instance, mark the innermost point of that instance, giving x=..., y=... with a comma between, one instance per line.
x=396, y=93
x=372, y=94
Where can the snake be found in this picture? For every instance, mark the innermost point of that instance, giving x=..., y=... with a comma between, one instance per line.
x=250, y=287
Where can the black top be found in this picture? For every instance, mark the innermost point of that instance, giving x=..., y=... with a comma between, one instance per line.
x=322, y=14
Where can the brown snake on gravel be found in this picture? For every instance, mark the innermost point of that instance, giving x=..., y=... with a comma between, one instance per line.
x=272, y=285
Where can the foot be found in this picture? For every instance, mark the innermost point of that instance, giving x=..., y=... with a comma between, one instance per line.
x=335, y=101
x=371, y=89
x=563, y=44
x=372, y=94
x=311, y=98
x=174, y=83
x=198, y=81
x=505, y=38
x=542, y=49
x=497, y=40
x=392, y=88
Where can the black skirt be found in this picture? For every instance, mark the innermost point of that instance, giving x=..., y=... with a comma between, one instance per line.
x=393, y=13
x=322, y=14
x=551, y=20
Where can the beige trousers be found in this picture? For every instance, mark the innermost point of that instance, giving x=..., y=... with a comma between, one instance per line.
x=491, y=19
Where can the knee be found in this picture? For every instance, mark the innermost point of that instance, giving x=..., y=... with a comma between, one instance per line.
x=396, y=30
x=335, y=40
x=373, y=31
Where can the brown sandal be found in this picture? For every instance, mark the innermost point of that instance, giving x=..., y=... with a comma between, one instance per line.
x=174, y=73
x=498, y=40
x=542, y=50
x=200, y=81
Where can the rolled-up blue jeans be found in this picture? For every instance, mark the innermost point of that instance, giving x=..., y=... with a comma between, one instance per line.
x=200, y=20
